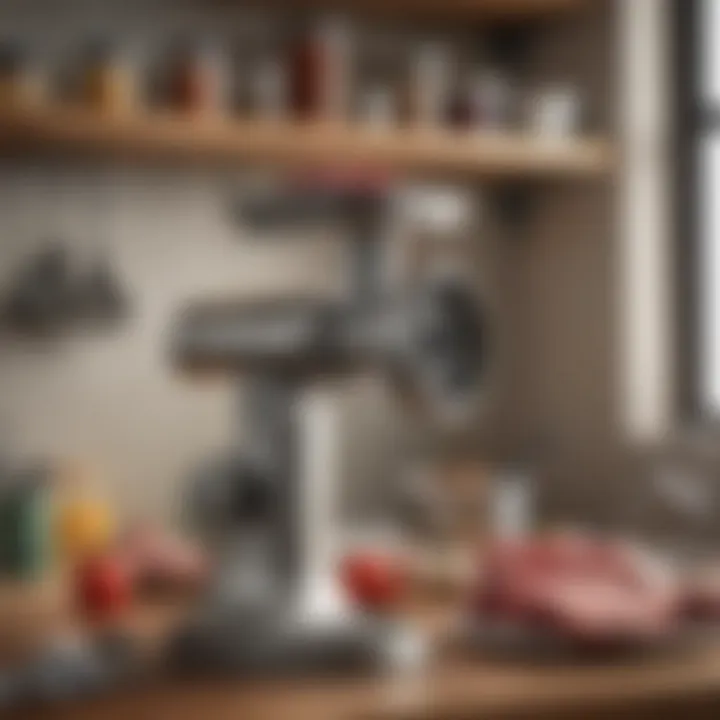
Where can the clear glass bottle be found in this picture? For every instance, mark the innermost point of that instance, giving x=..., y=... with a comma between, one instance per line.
x=108, y=79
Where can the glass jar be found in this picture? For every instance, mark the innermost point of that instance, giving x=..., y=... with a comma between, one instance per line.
x=429, y=86
x=108, y=83
x=320, y=72
x=198, y=83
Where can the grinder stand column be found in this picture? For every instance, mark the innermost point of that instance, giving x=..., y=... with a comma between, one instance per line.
x=318, y=470
x=293, y=441
x=259, y=567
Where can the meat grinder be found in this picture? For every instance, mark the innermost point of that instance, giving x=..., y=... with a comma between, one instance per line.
x=276, y=604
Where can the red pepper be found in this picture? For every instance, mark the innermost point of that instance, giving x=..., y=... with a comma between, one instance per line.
x=103, y=587
x=373, y=581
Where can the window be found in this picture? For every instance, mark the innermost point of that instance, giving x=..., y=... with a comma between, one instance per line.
x=698, y=257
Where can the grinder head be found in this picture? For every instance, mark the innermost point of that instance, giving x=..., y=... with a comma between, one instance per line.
x=431, y=343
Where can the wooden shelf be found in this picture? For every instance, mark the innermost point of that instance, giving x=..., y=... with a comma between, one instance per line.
x=492, y=10
x=163, y=138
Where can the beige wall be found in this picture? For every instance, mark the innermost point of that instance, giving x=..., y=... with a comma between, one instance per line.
x=114, y=398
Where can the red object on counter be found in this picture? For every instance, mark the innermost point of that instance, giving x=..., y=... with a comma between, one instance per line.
x=373, y=581
x=701, y=596
x=103, y=587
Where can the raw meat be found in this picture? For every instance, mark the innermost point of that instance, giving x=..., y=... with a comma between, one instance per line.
x=159, y=559
x=583, y=588
x=701, y=595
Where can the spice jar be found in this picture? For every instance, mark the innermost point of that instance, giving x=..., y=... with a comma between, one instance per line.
x=377, y=106
x=429, y=95
x=556, y=111
x=320, y=72
x=460, y=109
x=108, y=84
x=269, y=97
x=379, y=86
x=20, y=85
x=197, y=83
x=491, y=100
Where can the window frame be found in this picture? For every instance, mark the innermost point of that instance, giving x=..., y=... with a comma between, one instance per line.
x=690, y=122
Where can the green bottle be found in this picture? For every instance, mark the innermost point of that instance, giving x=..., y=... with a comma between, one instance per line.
x=25, y=525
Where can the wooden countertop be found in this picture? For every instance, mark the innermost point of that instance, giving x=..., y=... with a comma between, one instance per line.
x=685, y=682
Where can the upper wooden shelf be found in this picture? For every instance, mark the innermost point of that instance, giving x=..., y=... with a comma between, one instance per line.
x=169, y=138
x=494, y=10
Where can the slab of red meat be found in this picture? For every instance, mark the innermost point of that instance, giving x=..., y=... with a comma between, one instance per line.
x=701, y=595
x=578, y=586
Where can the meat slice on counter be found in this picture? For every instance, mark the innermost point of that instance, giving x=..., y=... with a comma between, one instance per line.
x=159, y=559
x=701, y=595
x=583, y=588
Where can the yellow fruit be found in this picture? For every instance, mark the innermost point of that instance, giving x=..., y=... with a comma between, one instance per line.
x=85, y=528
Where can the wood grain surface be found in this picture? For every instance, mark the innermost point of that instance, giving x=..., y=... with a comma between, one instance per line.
x=684, y=681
